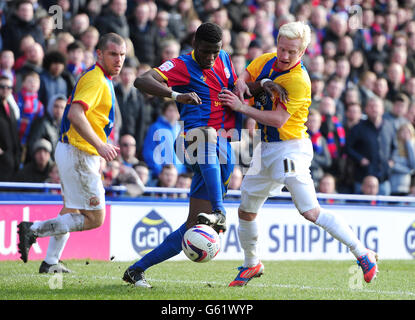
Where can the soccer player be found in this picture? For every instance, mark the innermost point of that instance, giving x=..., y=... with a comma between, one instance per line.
x=285, y=152
x=196, y=80
x=87, y=122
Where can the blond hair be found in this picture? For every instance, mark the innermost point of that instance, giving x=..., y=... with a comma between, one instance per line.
x=296, y=30
x=401, y=143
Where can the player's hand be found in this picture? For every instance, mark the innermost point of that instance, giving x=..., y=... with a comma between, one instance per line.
x=231, y=100
x=273, y=89
x=108, y=151
x=241, y=89
x=189, y=98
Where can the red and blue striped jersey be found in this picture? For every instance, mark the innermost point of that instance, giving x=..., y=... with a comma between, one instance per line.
x=183, y=74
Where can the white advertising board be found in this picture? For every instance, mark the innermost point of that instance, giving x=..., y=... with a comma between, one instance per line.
x=137, y=228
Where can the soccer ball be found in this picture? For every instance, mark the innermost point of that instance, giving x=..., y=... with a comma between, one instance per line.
x=201, y=243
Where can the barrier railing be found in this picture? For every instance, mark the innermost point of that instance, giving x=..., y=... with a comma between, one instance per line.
x=154, y=191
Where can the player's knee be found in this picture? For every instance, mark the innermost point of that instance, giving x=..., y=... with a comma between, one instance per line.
x=247, y=216
x=93, y=219
x=312, y=214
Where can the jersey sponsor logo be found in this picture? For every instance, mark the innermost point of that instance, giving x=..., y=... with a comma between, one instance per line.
x=166, y=66
x=227, y=73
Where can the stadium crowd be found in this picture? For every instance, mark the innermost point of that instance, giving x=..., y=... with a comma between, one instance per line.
x=361, y=63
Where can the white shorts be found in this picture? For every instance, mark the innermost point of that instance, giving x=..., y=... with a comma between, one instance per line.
x=81, y=181
x=275, y=165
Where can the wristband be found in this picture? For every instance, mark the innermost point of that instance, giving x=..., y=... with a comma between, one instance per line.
x=264, y=80
x=174, y=95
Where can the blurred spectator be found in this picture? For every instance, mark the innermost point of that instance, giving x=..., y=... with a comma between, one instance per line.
x=128, y=149
x=169, y=49
x=48, y=126
x=37, y=170
x=143, y=172
x=6, y=65
x=370, y=186
x=366, y=85
x=317, y=90
x=409, y=89
x=254, y=50
x=51, y=80
x=143, y=34
x=327, y=184
x=26, y=42
x=29, y=105
x=403, y=161
x=90, y=39
x=135, y=111
x=75, y=65
x=159, y=143
x=79, y=24
x=167, y=176
x=239, y=63
x=353, y=116
x=46, y=24
x=381, y=89
x=184, y=181
x=20, y=23
x=370, y=145
x=236, y=178
x=322, y=158
x=394, y=73
x=33, y=63
x=410, y=115
x=129, y=178
x=396, y=116
x=62, y=41
x=334, y=89
x=236, y=10
x=113, y=19
x=9, y=141
x=378, y=52
x=358, y=65
x=332, y=129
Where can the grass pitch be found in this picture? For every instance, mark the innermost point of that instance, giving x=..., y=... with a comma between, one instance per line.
x=184, y=280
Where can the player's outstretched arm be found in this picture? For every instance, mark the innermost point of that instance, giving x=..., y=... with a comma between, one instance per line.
x=153, y=83
x=76, y=116
x=275, y=118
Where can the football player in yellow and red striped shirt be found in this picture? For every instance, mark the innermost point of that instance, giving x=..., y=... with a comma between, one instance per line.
x=87, y=122
x=284, y=156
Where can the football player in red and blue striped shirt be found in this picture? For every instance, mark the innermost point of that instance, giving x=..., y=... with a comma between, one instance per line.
x=194, y=81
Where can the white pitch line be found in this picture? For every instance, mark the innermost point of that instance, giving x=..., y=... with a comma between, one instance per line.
x=276, y=285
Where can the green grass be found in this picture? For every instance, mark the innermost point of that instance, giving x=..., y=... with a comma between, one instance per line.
x=184, y=280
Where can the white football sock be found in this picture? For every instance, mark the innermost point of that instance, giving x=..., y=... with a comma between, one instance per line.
x=55, y=248
x=62, y=224
x=248, y=237
x=340, y=230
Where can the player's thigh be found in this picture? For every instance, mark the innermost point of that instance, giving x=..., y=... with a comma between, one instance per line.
x=303, y=193
x=255, y=190
x=81, y=181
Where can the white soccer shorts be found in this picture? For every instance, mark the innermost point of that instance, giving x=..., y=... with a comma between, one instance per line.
x=275, y=165
x=80, y=176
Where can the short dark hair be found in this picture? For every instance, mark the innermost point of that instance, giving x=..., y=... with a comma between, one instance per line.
x=209, y=32
x=53, y=57
x=75, y=45
x=109, y=37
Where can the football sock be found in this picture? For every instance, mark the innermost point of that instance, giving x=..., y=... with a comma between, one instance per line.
x=340, y=230
x=210, y=169
x=170, y=247
x=248, y=237
x=62, y=224
x=55, y=248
